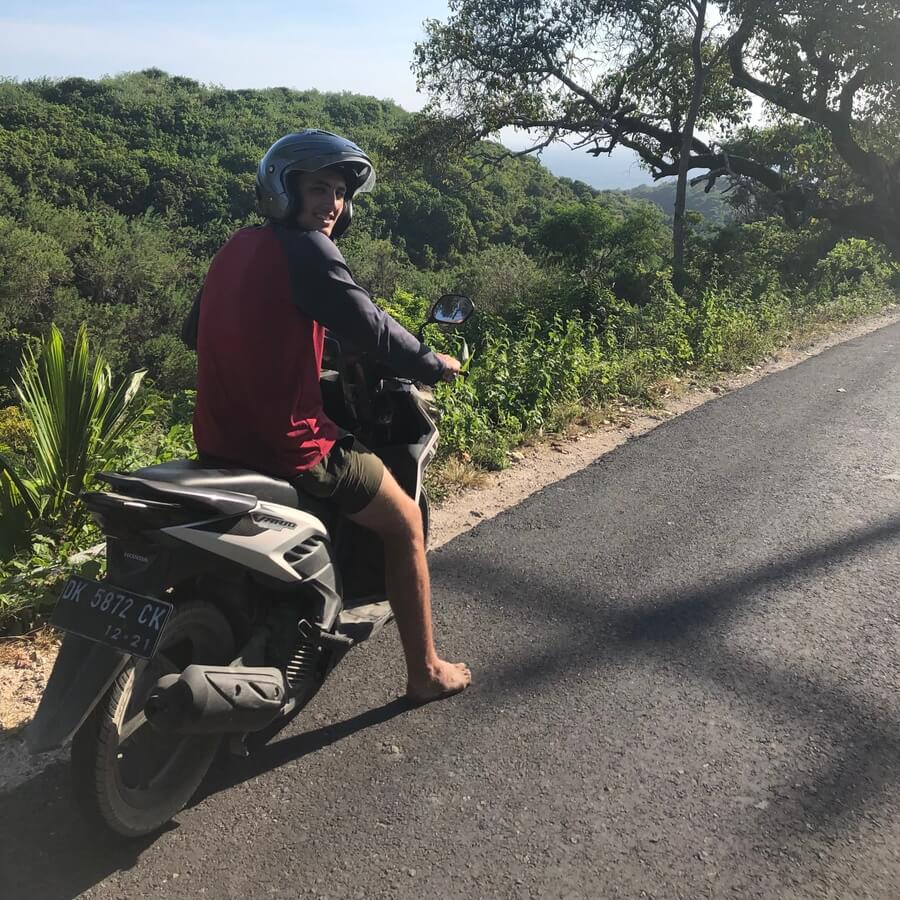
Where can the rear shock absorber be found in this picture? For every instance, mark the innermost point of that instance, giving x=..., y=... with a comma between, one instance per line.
x=303, y=665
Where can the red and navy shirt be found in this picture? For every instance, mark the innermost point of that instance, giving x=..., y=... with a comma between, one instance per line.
x=268, y=297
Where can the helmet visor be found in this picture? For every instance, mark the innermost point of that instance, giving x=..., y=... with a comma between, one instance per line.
x=359, y=172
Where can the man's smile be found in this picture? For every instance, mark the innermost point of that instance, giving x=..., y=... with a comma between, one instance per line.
x=326, y=188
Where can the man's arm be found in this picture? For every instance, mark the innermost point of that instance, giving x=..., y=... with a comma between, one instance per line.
x=325, y=291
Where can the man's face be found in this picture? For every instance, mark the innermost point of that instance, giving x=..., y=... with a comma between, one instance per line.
x=321, y=196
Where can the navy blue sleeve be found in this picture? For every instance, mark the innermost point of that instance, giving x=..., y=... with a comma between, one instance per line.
x=325, y=291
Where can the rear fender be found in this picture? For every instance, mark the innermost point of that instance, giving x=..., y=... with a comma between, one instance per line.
x=83, y=672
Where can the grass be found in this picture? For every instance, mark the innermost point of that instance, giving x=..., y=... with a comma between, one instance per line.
x=644, y=395
x=453, y=477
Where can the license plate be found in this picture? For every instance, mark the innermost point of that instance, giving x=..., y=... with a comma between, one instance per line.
x=111, y=615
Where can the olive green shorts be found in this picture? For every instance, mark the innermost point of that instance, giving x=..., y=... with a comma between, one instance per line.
x=349, y=476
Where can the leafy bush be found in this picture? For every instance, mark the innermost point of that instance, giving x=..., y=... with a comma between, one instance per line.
x=621, y=246
x=522, y=375
x=32, y=267
x=408, y=309
x=15, y=432
x=850, y=265
x=165, y=432
x=78, y=421
x=503, y=280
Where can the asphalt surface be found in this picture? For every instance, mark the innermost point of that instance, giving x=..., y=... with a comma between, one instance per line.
x=686, y=686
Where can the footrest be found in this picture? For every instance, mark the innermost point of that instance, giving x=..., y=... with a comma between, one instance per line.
x=359, y=623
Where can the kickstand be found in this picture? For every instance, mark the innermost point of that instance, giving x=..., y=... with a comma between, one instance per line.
x=237, y=745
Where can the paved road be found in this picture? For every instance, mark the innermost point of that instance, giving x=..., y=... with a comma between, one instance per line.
x=686, y=662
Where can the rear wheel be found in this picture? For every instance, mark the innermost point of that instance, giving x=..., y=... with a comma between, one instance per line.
x=128, y=775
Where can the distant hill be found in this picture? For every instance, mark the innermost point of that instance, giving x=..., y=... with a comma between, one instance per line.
x=711, y=206
x=188, y=152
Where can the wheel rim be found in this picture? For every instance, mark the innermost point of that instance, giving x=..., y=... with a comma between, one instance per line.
x=149, y=764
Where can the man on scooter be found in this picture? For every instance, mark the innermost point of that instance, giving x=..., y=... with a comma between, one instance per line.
x=268, y=297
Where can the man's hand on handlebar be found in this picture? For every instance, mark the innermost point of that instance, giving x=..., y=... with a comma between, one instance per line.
x=451, y=367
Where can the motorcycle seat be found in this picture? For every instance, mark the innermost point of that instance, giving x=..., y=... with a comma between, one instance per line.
x=190, y=473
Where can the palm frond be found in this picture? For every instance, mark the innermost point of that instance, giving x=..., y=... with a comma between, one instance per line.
x=16, y=491
x=119, y=413
x=77, y=418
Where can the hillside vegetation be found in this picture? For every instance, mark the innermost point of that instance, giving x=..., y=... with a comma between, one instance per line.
x=114, y=194
x=712, y=206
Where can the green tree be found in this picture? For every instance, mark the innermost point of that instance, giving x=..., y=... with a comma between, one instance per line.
x=497, y=63
x=663, y=75
x=834, y=69
x=620, y=249
x=32, y=267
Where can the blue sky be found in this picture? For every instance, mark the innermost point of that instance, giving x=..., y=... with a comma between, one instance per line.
x=363, y=47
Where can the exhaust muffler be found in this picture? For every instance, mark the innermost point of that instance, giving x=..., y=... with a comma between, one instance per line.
x=210, y=699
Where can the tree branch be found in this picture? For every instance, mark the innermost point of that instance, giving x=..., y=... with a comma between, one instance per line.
x=825, y=68
x=656, y=163
x=774, y=94
x=848, y=93
x=667, y=138
x=869, y=219
x=576, y=88
x=725, y=163
x=872, y=168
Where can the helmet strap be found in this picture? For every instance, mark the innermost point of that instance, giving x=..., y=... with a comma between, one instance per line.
x=343, y=221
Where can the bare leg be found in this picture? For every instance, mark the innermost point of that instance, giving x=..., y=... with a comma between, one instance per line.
x=396, y=518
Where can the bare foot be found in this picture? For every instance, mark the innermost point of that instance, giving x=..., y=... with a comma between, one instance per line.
x=443, y=680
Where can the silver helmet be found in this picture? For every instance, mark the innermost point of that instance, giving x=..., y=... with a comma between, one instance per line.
x=309, y=151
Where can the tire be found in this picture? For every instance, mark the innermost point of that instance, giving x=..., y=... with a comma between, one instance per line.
x=134, y=786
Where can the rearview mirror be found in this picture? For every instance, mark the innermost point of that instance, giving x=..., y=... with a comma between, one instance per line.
x=452, y=309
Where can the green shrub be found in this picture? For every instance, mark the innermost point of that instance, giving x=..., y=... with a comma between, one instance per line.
x=664, y=326
x=503, y=281
x=408, y=309
x=851, y=265
x=78, y=422
x=15, y=432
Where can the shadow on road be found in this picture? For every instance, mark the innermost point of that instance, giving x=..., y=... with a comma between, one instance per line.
x=49, y=852
x=233, y=770
x=672, y=618
x=861, y=746
x=664, y=618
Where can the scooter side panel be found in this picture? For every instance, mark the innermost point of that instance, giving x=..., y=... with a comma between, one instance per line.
x=259, y=541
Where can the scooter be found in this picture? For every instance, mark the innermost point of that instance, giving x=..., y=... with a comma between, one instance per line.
x=228, y=600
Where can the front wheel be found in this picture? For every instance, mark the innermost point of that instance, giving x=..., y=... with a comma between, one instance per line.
x=127, y=775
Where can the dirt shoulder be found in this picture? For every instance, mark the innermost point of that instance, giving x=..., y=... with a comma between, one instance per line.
x=25, y=664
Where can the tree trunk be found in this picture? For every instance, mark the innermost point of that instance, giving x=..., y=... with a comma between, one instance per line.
x=679, y=223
